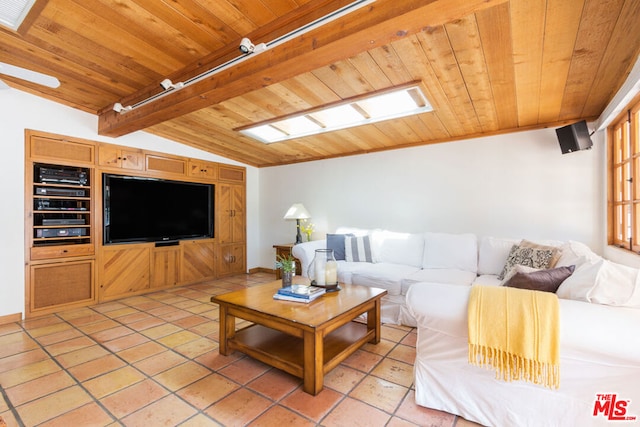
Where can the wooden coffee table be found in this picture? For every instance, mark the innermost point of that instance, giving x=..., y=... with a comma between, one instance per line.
x=305, y=340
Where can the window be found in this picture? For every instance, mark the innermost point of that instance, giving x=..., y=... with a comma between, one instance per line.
x=385, y=105
x=624, y=223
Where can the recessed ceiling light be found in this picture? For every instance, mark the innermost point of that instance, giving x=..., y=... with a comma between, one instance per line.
x=13, y=12
x=383, y=105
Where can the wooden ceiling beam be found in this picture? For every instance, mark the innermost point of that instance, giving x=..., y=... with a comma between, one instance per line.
x=372, y=26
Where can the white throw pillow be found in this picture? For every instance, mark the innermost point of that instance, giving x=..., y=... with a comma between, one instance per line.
x=603, y=282
x=576, y=253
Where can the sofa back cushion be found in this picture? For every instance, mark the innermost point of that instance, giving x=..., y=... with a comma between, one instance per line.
x=493, y=254
x=454, y=251
x=398, y=248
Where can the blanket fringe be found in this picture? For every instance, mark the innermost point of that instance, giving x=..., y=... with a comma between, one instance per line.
x=511, y=367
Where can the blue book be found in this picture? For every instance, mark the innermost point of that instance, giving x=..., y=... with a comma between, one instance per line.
x=301, y=291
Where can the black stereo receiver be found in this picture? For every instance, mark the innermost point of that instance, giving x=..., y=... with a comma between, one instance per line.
x=61, y=232
x=69, y=192
x=62, y=176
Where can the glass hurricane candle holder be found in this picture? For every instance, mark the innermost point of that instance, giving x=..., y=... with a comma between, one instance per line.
x=323, y=270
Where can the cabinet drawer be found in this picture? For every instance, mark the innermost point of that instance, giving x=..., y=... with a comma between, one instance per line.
x=50, y=252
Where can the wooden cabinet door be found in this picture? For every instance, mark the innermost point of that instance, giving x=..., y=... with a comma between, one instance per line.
x=116, y=157
x=165, y=266
x=231, y=260
x=203, y=169
x=58, y=285
x=133, y=160
x=126, y=270
x=198, y=260
x=231, y=217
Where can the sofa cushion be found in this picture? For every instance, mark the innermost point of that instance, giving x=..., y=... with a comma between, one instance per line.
x=358, y=249
x=451, y=251
x=543, y=280
x=531, y=255
x=398, y=248
x=487, y=280
x=493, y=253
x=346, y=270
x=383, y=275
x=603, y=282
x=450, y=276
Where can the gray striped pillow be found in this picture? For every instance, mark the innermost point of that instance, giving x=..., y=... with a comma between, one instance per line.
x=357, y=249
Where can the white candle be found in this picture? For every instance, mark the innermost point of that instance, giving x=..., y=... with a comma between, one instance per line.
x=320, y=273
x=331, y=273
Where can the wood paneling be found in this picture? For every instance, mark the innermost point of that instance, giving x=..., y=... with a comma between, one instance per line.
x=486, y=66
x=198, y=260
x=125, y=270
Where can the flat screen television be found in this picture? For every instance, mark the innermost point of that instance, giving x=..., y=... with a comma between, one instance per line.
x=140, y=209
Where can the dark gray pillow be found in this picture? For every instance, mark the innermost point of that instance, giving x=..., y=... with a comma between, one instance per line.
x=543, y=280
x=336, y=242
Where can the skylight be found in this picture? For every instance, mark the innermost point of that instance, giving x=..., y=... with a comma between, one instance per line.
x=13, y=12
x=395, y=103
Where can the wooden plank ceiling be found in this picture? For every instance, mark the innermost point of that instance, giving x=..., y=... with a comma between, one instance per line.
x=487, y=66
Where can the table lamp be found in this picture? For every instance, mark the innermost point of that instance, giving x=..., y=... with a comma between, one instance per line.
x=297, y=212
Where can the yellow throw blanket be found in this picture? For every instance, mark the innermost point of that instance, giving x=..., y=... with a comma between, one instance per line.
x=516, y=332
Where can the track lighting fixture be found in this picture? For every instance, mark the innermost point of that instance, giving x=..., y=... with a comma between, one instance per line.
x=168, y=84
x=118, y=108
x=246, y=47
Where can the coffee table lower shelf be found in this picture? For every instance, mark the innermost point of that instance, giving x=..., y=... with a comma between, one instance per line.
x=286, y=352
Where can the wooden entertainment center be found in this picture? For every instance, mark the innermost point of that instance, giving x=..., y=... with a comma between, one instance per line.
x=67, y=264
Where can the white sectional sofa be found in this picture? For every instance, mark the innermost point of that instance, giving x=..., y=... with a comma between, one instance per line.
x=401, y=260
x=428, y=277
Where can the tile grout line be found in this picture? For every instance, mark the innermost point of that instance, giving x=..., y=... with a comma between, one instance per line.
x=184, y=296
x=65, y=370
x=12, y=408
x=150, y=377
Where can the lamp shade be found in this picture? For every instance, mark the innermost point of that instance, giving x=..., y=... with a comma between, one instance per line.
x=297, y=211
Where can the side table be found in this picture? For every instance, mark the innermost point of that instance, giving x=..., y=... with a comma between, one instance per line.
x=283, y=251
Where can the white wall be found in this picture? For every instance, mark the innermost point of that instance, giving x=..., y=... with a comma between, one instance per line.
x=516, y=185
x=20, y=111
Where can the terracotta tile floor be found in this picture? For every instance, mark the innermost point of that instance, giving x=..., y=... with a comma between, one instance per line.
x=153, y=360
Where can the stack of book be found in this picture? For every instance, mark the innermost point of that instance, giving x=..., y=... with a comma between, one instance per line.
x=299, y=293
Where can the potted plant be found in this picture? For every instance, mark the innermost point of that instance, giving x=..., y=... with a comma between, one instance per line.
x=287, y=264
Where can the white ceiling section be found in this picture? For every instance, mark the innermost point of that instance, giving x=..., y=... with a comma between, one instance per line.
x=13, y=12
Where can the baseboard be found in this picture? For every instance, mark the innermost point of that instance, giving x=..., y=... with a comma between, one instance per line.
x=261, y=270
x=10, y=318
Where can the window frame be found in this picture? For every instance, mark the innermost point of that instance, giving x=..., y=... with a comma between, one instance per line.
x=623, y=135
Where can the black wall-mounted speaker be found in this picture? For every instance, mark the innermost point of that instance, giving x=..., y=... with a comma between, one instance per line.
x=574, y=137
